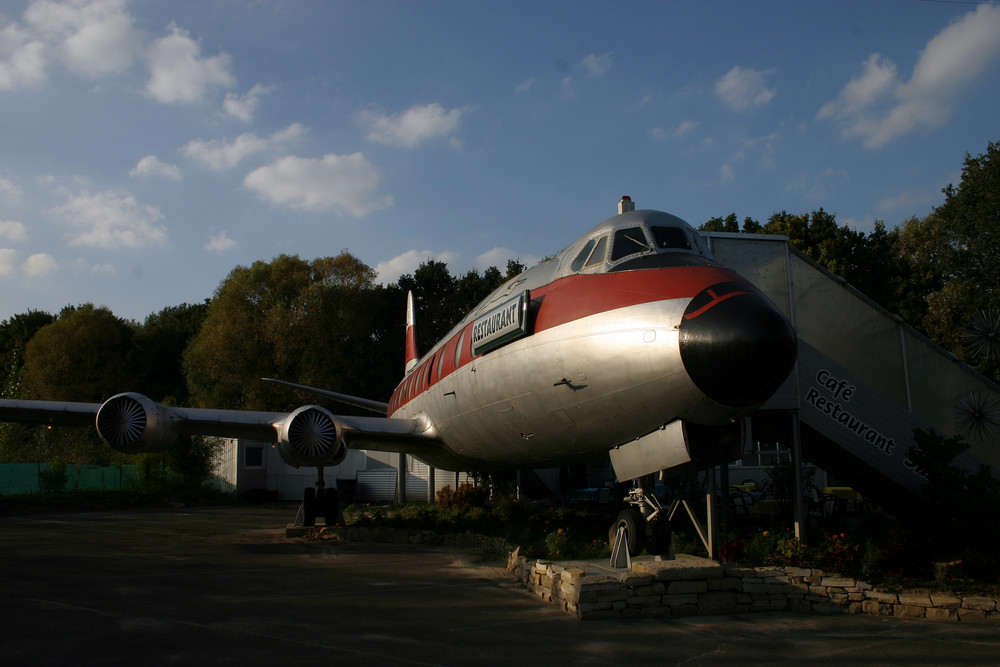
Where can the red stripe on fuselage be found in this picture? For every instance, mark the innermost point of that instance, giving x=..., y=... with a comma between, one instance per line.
x=582, y=295
x=578, y=296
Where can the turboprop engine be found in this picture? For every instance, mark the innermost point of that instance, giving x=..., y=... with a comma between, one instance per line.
x=133, y=423
x=308, y=436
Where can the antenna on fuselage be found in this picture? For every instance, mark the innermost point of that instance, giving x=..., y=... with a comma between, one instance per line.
x=411, y=333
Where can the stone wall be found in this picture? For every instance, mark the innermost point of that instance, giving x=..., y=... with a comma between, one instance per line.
x=691, y=586
x=687, y=586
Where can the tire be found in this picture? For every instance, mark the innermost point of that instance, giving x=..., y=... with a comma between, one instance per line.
x=331, y=506
x=635, y=530
x=309, y=506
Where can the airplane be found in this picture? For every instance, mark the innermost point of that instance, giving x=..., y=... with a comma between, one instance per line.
x=633, y=343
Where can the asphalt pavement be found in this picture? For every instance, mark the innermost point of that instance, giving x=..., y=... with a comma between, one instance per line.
x=224, y=586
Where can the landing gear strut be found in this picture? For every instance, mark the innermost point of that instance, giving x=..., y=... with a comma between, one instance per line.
x=643, y=524
x=318, y=500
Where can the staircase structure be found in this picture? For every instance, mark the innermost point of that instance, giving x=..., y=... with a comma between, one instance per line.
x=864, y=379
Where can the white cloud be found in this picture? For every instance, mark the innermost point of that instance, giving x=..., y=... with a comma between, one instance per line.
x=389, y=271
x=9, y=189
x=876, y=82
x=243, y=107
x=94, y=38
x=151, y=166
x=12, y=230
x=414, y=126
x=346, y=182
x=9, y=261
x=103, y=269
x=499, y=256
x=40, y=264
x=597, y=65
x=878, y=108
x=220, y=156
x=743, y=88
x=726, y=174
x=178, y=73
x=221, y=243
x=111, y=220
x=908, y=202
x=686, y=127
x=524, y=86
x=22, y=58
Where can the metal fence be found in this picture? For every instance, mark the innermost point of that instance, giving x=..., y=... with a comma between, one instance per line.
x=23, y=478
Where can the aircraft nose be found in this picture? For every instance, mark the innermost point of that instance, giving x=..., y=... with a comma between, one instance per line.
x=736, y=345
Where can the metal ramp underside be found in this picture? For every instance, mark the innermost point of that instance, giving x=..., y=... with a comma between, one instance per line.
x=864, y=379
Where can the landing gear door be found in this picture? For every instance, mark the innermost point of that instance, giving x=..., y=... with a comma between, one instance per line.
x=665, y=447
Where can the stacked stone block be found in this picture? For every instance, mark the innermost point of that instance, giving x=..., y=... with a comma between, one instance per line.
x=697, y=586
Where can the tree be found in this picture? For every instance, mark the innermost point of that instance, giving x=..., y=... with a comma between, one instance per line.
x=320, y=323
x=159, y=346
x=954, y=256
x=82, y=356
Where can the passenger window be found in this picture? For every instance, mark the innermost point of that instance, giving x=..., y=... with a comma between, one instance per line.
x=629, y=242
x=441, y=362
x=598, y=255
x=458, y=350
x=582, y=257
x=671, y=238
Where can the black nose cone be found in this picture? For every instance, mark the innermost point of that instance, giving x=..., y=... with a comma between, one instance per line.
x=736, y=345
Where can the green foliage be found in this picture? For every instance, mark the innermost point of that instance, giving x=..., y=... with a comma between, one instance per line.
x=82, y=356
x=464, y=497
x=321, y=323
x=158, y=349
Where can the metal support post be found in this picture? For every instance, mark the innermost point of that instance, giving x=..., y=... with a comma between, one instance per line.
x=798, y=501
x=401, y=480
x=711, y=515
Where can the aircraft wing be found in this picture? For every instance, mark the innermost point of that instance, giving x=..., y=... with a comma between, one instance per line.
x=308, y=436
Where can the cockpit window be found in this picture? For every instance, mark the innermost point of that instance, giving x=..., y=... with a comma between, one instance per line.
x=670, y=238
x=628, y=242
x=582, y=257
x=598, y=255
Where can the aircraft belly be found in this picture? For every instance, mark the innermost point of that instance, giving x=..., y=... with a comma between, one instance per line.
x=570, y=392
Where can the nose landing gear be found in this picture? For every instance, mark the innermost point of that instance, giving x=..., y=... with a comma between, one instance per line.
x=644, y=524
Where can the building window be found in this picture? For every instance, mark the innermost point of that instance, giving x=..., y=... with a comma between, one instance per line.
x=253, y=457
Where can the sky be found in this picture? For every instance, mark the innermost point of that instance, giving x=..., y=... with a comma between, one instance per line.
x=147, y=148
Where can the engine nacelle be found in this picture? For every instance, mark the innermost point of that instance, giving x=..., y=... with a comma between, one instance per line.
x=133, y=423
x=310, y=436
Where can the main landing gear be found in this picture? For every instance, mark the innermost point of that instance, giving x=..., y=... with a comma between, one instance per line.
x=319, y=500
x=644, y=524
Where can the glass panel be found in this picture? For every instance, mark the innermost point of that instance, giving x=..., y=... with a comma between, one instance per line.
x=458, y=350
x=629, y=242
x=582, y=257
x=848, y=329
x=670, y=237
x=952, y=398
x=599, y=251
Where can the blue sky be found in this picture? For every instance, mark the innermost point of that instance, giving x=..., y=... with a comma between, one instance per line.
x=149, y=147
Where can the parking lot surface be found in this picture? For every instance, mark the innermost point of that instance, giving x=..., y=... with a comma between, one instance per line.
x=224, y=586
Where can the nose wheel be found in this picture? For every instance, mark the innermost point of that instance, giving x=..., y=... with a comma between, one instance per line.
x=644, y=524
